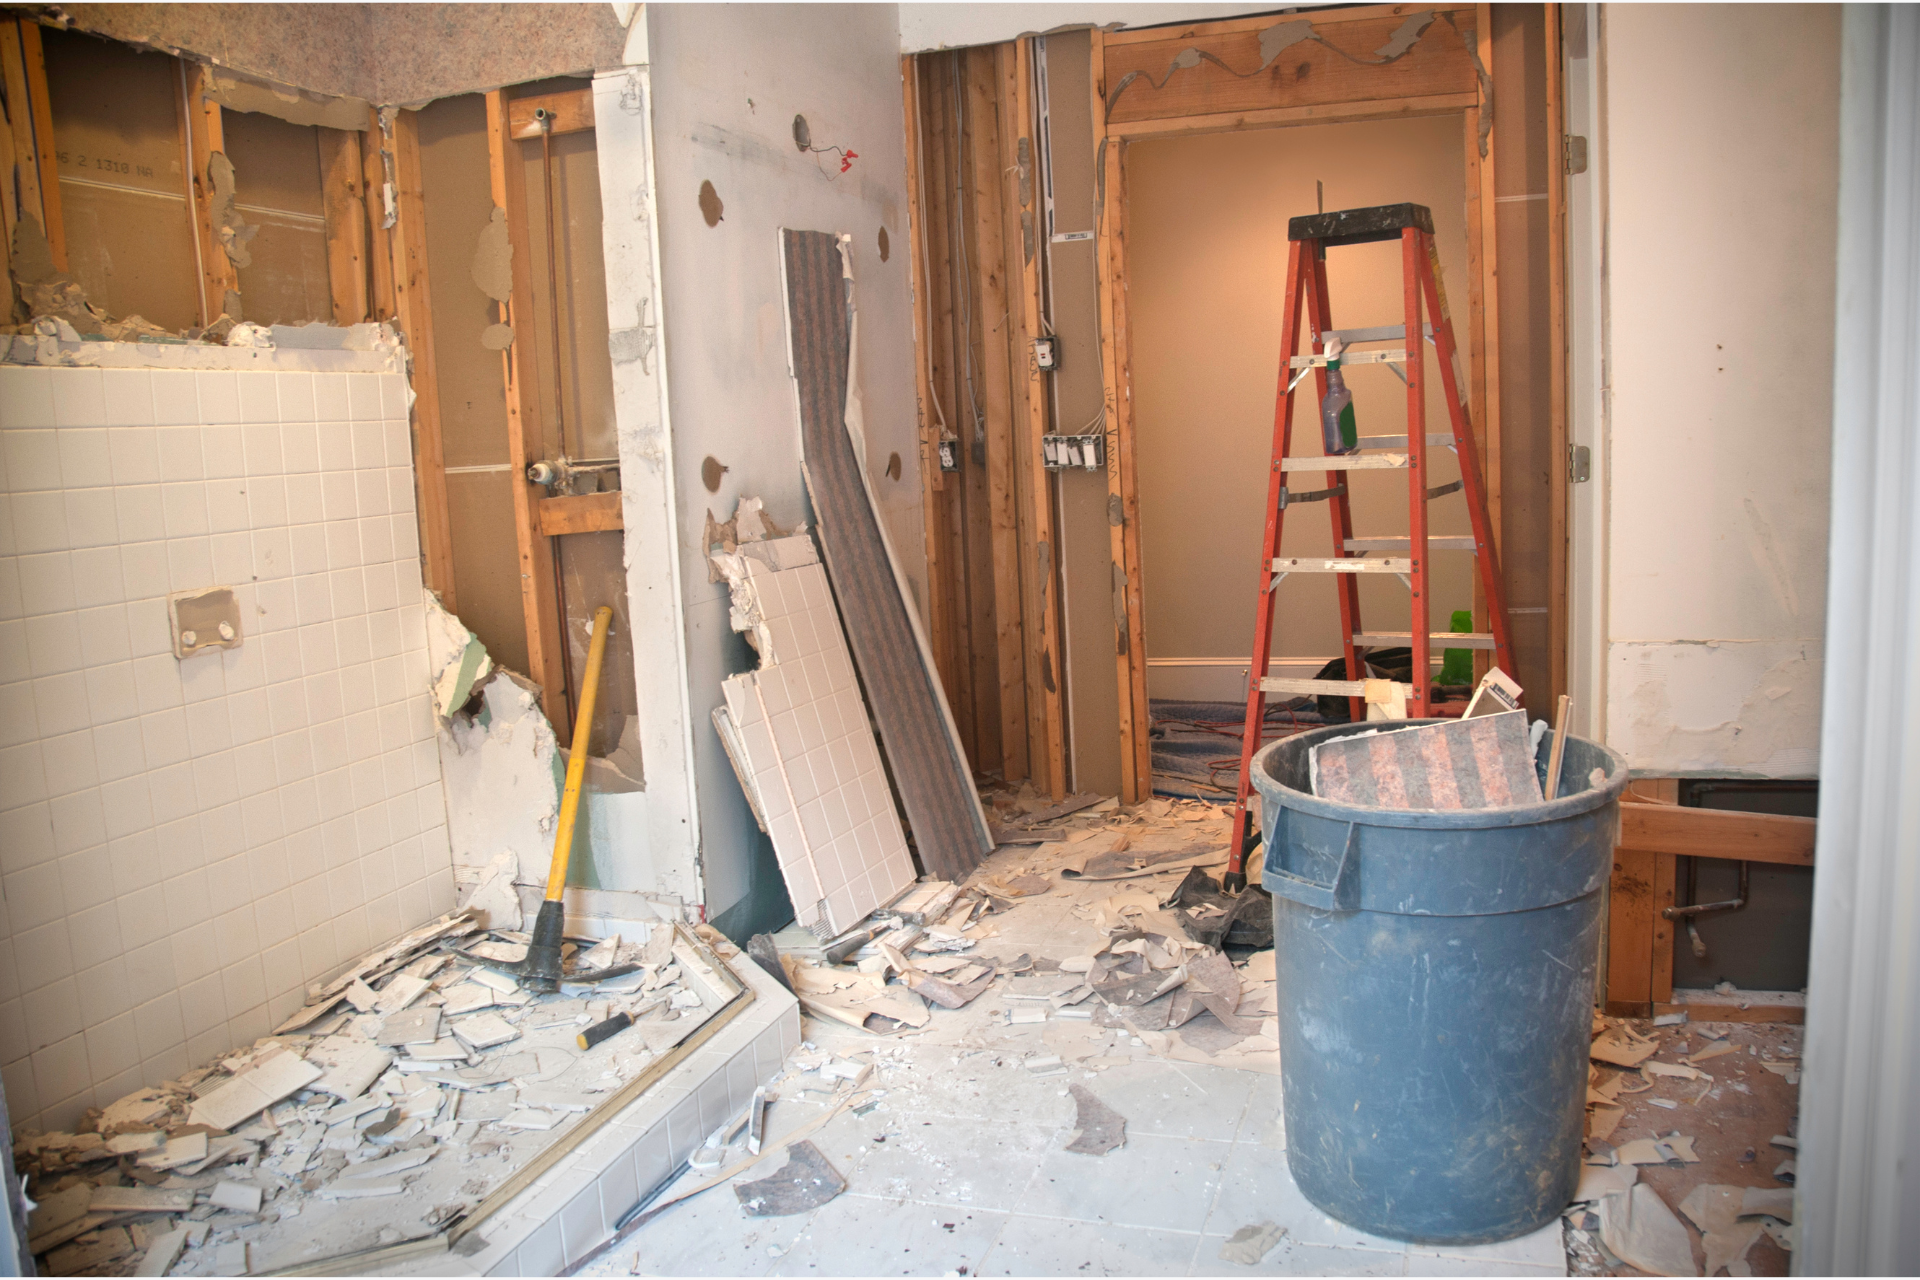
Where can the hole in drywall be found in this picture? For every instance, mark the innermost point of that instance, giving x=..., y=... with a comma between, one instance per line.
x=710, y=207
x=893, y=460
x=710, y=473
x=886, y=249
x=802, y=134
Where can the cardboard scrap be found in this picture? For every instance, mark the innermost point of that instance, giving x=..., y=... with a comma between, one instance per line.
x=1641, y=1230
x=1247, y=1246
x=1621, y=1048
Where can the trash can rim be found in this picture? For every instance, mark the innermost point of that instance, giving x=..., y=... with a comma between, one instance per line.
x=1582, y=801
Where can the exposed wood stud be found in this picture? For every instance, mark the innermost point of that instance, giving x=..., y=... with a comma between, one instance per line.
x=1136, y=767
x=570, y=112
x=218, y=277
x=995, y=371
x=539, y=600
x=375, y=155
x=1040, y=548
x=414, y=310
x=36, y=177
x=342, y=194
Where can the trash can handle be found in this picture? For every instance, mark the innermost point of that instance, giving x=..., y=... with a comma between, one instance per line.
x=1305, y=891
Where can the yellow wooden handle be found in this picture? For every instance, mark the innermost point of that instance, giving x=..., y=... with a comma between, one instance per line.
x=577, y=761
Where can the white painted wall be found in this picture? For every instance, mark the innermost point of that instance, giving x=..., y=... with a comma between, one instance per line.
x=187, y=843
x=726, y=82
x=1721, y=129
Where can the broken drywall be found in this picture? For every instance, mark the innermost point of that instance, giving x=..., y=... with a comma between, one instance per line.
x=1747, y=708
x=236, y=91
x=503, y=778
x=229, y=228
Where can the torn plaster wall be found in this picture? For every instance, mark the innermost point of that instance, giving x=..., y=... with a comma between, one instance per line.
x=727, y=82
x=1720, y=371
x=952, y=26
x=503, y=778
x=385, y=53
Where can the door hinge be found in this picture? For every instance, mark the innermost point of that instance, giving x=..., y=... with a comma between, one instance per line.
x=1579, y=464
x=1576, y=153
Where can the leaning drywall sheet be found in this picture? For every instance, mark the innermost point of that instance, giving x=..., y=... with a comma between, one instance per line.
x=799, y=734
x=909, y=706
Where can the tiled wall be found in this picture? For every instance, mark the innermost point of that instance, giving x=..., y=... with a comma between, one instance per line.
x=185, y=844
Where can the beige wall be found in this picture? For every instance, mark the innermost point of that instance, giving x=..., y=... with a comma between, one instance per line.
x=1207, y=244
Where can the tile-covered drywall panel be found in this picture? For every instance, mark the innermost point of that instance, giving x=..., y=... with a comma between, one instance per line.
x=185, y=844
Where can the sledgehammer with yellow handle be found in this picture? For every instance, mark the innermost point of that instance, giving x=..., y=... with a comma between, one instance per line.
x=542, y=969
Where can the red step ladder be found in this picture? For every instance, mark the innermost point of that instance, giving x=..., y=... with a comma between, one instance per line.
x=1311, y=237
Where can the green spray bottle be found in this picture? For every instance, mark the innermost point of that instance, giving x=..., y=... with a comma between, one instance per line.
x=1338, y=431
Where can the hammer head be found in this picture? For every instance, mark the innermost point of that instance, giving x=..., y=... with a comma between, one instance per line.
x=541, y=969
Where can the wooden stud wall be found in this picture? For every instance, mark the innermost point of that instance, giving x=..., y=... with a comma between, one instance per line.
x=993, y=611
x=33, y=186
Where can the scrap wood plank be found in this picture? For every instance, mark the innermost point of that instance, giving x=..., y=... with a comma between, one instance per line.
x=1717, y=833
x=343, y=198
x=916, y=728
x=580, y=513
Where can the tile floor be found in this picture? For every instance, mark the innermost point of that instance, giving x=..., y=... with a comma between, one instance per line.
x=961, y=1168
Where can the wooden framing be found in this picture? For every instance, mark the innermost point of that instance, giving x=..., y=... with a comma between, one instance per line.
x=580, y=513
x=1654, y=831
x=1002, y=589
x=375, y=153
x=206, y=137
x=1123, y=500
x=933, y=481
x=343, y=197
x=539, y=600
x=1039, y=547
x=1216, y=76
x=413, y=307
x=571, y=111
x=35, y=185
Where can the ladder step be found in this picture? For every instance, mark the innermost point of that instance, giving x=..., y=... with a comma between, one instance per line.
x=1435, y=639
x=1435, y=542
x=1348, y=462
x=1330, y=688
x=1378, y=333
x=1386, y=564
x=1349, y=358
x=1435, y=439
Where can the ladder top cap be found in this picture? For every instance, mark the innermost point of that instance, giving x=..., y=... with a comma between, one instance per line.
x=1361, y=226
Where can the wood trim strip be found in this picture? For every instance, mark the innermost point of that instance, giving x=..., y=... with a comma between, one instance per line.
x=580, y=513
x=539, y=598
x=1557, y=431
x=414, y=310
x=218, y=277
x=343, y=196
x=1341, y=113
x=1717, y=833
x=1040, y=548
x=572, y=113
x=1489, y=408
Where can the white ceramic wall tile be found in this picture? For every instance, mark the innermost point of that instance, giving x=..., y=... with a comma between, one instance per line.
x=185, y=845
x=811, y=751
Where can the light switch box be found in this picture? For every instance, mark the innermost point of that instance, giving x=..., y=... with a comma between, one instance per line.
x=207, y=619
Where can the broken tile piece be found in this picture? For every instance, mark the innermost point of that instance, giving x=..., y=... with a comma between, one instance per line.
x=241, y=1197
x=178, y=1151
x=274, y=1075
x=485, y=1030
x=412, y=1026
x=1098, y=1127
x=805, y=1182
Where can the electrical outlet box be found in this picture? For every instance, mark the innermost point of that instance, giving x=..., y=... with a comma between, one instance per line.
x=1046, y=354
x=1063, y=453
x=207, y=619
x=949, y=455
